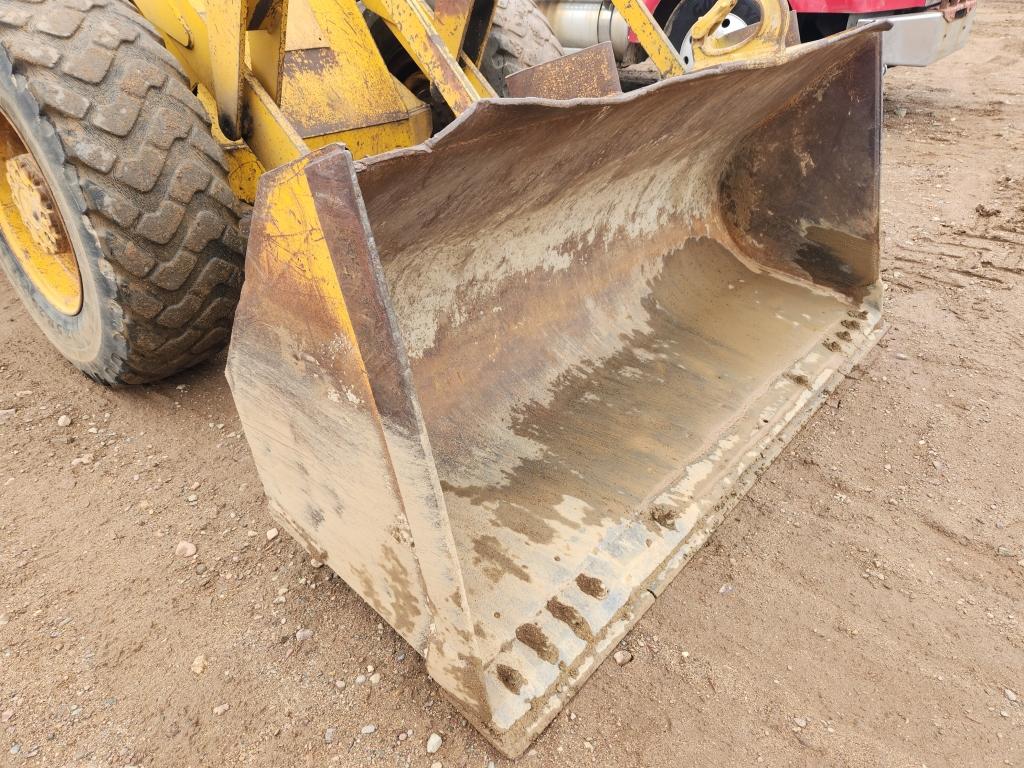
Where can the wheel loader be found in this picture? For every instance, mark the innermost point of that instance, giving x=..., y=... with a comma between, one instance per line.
x=512, y=339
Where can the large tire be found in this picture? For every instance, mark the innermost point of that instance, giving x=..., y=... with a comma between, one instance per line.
x=520, y=37
x=140, y=183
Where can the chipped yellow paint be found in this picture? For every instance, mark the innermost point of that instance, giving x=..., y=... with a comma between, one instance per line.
x=767, y=41
x=412, y=22
x=225, y=21
x=294, y=244
x=319, y=79
x=651, y=36
x=244, y=169
x=710, y=21
x=476, y=77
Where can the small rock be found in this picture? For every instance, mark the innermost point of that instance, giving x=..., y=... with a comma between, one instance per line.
x=83, y=459
x=1004, y=551
x=403, y=736
x=622, y=658
x=436, y=764
x=329, y=735
x=4, y=619
x=375, y=678
x=199, y=664
x=185, y=549
x=1011, y=695
x=360, y=679
x=303, y=635
x=192, y=498
x=315, y=563
x=801, y=722
x=6, y=716
x=63, y=420
x=272, y=534
x=901, y=112
x=366, y=730
x=725, y=589
x=220, y=709
x=986, y=211
x=434, y=742
x=900, y=356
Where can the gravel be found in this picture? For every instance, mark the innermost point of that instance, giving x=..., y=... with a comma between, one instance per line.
x=434, y=742
x=185, y=549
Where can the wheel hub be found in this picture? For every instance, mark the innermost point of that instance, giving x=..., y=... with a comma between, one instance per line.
x=32, y=228
x=731, y=23
x=32, y=199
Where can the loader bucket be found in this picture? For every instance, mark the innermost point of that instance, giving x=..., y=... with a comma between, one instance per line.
x=506, y=382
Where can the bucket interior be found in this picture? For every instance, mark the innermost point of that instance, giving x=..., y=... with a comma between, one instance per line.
x=607, y=312
x=598, y=416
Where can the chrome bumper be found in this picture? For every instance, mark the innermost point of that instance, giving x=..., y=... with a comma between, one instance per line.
x=918, y=39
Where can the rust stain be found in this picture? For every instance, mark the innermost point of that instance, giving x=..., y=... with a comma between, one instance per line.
x=591, y=72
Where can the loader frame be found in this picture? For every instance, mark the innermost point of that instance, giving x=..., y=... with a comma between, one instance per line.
x=283, y=77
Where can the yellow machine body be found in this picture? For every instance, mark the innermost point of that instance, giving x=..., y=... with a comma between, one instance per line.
x=506, y=379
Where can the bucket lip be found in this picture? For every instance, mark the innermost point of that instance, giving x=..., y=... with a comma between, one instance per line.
x=851, y=39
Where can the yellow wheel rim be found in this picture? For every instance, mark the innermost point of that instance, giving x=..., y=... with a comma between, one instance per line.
x=32, y=227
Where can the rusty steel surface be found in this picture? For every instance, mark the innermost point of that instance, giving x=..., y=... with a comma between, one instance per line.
x=506, y=382
x=956, y=9
x=590, y=73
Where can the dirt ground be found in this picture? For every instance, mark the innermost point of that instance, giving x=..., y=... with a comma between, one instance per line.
x=876, y=570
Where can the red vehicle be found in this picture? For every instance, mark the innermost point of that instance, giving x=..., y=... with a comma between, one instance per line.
x=922, y=31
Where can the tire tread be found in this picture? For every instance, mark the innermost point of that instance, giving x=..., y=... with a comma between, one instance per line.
x=151, y=176
x=520, y=37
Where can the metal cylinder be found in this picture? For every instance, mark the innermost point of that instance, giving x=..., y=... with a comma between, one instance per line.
x=582, y=23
